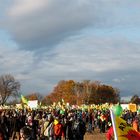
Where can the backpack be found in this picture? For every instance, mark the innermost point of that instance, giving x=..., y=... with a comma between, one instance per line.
x=46, y=132
x=46, y=128
x=51, y=130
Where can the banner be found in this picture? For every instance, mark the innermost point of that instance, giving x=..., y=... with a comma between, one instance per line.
x=122, y=130
x=33, y=104
x=133, y=107
x=125, y=106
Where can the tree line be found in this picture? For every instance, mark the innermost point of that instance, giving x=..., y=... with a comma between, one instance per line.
x=73, y=92
x=85, y=92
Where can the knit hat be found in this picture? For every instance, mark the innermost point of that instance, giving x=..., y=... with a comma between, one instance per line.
x=56, y=122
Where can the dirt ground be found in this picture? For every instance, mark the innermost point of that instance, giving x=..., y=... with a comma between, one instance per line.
x=96, y=135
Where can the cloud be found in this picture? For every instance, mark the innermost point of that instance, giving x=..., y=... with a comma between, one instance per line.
x=112, y=61
x=118, y=80
x=43, y=24
x=50, y=40
x=13, y=60
x=24, y=7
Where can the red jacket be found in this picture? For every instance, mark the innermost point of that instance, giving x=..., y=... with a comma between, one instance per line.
x=110, y=133
x=58, y=130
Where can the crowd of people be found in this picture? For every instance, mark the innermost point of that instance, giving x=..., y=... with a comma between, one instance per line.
x=54, y=124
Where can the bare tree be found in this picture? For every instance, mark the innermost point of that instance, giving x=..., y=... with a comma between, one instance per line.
x=8, y=87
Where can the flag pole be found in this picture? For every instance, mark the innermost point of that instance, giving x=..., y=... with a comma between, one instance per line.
x=113, y=124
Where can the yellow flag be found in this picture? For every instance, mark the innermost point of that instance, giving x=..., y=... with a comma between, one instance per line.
x=123, y=130
x=24, y=100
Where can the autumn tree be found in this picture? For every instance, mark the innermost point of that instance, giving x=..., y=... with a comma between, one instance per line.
x=93, y=97
x=47, y=100
x=107, y=94
x=79, y=92
x=34, y=96
x=135, y=99
x=9, y=87
x=85, y=92
x=102, y=93
x=64, y=90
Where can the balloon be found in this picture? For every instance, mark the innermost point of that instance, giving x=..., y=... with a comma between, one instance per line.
x=117, y=109
x=61, y=112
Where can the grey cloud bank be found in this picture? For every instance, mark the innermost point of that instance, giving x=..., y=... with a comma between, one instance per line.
x=40, y=24
x=84, y=39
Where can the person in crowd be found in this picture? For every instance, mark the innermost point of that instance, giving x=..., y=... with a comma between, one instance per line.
x=58, y=129
x=1, y=134
x=79, y=129
x=16, y=126
x=90, y=122
x=34, y=126
x=43, y=126
x=103, y=123
x=110, y=134
x=4, y=126
x=25, y=133
x=49, y=128
x=55, y=124
x=135, y=124
x=68, y=128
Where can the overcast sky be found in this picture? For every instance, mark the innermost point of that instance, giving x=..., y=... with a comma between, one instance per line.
x=45, y=41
